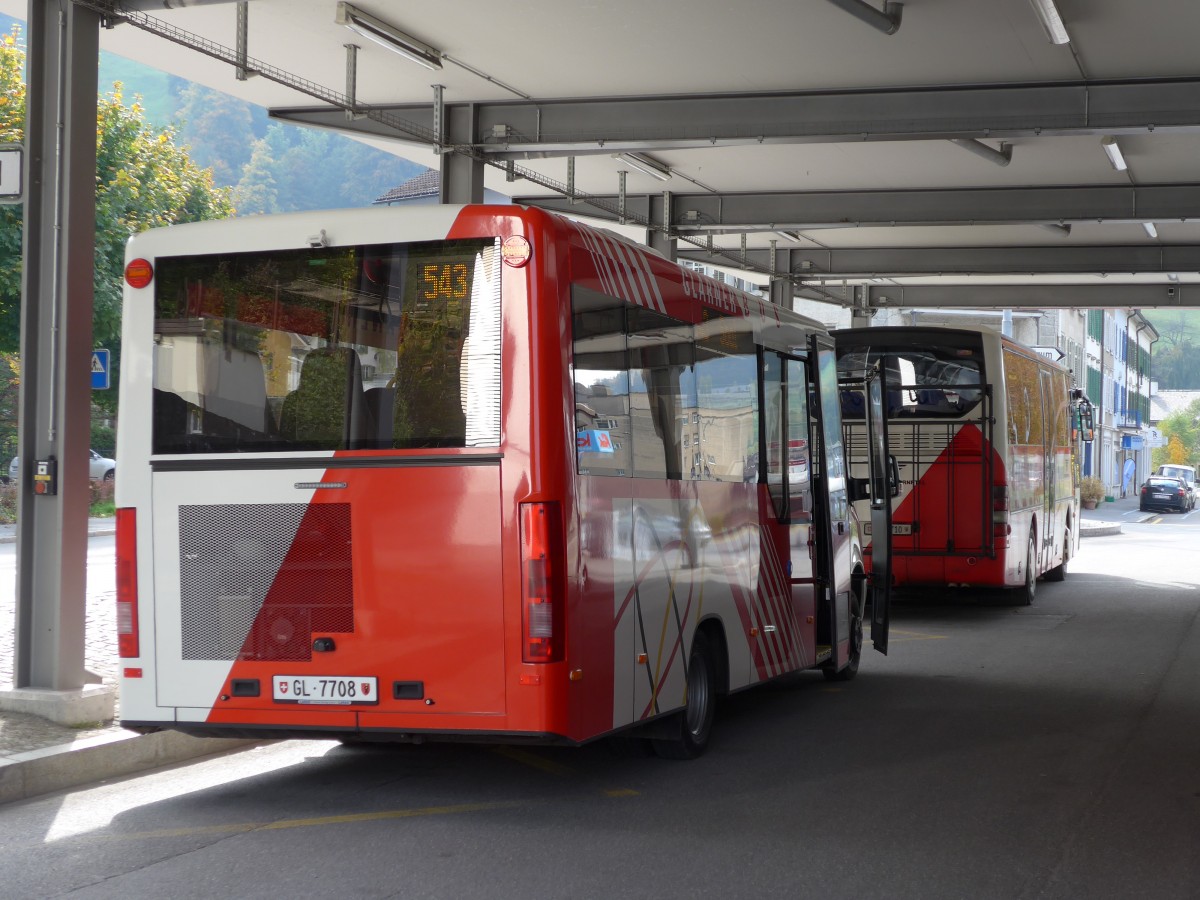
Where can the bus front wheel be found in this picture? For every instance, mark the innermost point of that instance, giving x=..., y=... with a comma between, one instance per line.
x=849, y=670
x=695, y=721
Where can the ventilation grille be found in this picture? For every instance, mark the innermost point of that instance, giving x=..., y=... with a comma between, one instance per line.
x=258, y=580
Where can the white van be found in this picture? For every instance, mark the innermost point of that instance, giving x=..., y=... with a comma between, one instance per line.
x=1186, y=474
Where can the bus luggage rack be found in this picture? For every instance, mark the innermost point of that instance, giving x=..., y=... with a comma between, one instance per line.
x=967, y=473
x=257, y=579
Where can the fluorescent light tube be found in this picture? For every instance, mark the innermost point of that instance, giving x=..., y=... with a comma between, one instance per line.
x=1051, y=21
x=646, y=165
x=1150, y=229
x=387, y=36
x=1114, y=153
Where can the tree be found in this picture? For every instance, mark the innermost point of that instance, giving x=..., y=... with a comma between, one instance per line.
x=144, y=179
x=1182, y=433
x=293, y=169
x=217, y=130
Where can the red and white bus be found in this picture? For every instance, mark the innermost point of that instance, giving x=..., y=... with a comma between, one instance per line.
x=468, y=473
x=984, y=433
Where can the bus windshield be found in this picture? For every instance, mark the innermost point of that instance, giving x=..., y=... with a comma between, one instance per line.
x=316, y=349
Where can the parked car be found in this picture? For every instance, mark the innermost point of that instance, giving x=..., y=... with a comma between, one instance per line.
x=1187, y=473
x=100, y=468
x=1160, y=492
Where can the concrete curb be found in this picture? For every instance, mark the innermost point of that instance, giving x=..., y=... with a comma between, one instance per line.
x=1100, y=528
x=91, y=760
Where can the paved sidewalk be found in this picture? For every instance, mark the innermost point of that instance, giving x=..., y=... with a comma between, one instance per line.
x=38, y=756
x=1108, y=517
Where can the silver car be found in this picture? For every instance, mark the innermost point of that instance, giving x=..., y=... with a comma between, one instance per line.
x=100, y=468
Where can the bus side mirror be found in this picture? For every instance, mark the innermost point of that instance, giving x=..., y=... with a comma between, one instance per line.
x=858, y=489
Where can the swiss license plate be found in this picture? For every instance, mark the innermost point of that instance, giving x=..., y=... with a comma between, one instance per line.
x=897, y=528
x=335, y=690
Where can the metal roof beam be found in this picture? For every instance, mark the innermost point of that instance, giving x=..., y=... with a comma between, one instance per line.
x=531, y=129
x=898, y=262
x=1040, y=296
x=798, y=210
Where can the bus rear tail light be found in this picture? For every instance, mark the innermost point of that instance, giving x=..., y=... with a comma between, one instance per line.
x=127, y=593
x=543, y=583
x=1000, y=504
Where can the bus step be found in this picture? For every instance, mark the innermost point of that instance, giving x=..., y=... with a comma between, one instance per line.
x=824, y=652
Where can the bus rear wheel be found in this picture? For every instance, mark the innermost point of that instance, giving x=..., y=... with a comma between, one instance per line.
x=1059, y=572
x=694, y=723
x=1026, y=591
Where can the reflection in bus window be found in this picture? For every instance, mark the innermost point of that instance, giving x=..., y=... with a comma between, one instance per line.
x=378, y=346
x=602, y=425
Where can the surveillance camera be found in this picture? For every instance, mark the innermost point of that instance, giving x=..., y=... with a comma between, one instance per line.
x=1170, y=292
x=318, y=241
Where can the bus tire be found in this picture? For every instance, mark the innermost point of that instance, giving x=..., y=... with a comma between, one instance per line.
x=694, y=723
x=1026, y=592
x=1059, y=572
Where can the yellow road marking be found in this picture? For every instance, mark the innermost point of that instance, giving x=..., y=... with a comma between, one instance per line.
x=917, y=636
x=244, y=827
x=533, y=760
x=618, y=793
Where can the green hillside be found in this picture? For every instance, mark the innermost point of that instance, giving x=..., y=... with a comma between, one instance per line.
x=268, y=166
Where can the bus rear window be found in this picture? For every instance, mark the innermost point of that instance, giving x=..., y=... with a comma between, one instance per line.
x=923, y=379
x=380, y=346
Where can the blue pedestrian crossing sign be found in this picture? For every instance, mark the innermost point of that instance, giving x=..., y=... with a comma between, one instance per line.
x=100, y=370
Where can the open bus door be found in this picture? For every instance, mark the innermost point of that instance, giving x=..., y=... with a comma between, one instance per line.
x=884, y=482
x=832, y=498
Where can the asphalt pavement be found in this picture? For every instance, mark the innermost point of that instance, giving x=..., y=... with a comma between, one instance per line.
x=38, y=756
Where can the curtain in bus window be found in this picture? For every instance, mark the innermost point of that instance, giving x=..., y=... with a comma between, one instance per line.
x=662, y=396
x=1026, y=437
x=442, y=366
x=727, y=399
x=602, y=429
x=1059, y=414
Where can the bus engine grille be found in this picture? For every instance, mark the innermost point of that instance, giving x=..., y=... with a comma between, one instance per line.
x=257, y=580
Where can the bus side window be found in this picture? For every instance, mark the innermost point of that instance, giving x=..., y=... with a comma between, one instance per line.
x=601, y=368
x=662, y=396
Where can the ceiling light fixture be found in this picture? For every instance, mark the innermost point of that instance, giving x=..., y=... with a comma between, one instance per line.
x=788, y=235
x=1114, y=153
x=1150, y=229
x=646, y=165
x=1051, y=21
x=388, y=36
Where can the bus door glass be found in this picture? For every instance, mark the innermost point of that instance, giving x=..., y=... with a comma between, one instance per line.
x=1050, y=414
x=882, y=483
x=830, y=496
